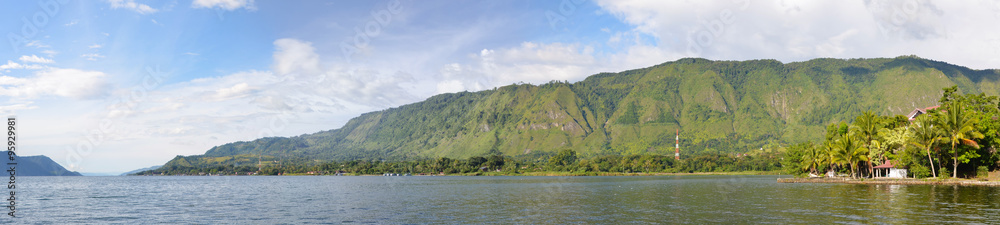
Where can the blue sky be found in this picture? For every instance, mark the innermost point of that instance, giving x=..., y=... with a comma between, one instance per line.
x=111, y=86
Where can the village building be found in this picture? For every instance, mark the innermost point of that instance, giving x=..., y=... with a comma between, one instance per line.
x=889, y=170
x=917, y=112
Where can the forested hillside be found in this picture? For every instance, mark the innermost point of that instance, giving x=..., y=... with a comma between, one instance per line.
x=718, y=106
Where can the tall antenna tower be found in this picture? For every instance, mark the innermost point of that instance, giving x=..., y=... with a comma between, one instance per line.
x=677, y=146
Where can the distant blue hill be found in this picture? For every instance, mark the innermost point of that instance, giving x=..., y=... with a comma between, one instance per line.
x=99, y=174
x=140, y=170
x=40, y=165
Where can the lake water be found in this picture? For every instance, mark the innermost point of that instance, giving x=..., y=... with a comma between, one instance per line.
x=465, y=200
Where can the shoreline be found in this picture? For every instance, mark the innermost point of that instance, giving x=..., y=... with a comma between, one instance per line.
x=592, y=174
x=890, y=181
x=588, y=174
x=564, y=174
x=529, y=174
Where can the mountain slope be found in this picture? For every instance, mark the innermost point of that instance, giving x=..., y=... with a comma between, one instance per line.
x=718, y=106
x=139, y=170
x=41, y=165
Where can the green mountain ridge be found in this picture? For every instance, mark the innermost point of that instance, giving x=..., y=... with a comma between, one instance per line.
x=718, y=106
x=139, y=170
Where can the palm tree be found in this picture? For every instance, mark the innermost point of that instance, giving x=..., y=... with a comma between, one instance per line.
x=851, y=151
x=835, y=158
x=924, y=136
x=813, y=158
x=830, y=155
x=647, y=162
x=866, y=127
x=959, y=128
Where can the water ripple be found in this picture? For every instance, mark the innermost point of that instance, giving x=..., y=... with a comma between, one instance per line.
x=505, y=200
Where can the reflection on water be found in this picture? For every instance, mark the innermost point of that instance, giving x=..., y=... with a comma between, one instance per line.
x=664, y=199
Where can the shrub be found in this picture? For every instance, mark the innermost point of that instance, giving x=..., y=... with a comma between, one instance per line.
x=920, y=171
x=982, y=172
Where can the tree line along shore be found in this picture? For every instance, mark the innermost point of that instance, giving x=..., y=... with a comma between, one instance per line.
x=565, y=162
x=957, y=139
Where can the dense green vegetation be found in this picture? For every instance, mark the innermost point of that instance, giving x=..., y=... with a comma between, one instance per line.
x=563, y=161
x=959, y=138
x=720, y=107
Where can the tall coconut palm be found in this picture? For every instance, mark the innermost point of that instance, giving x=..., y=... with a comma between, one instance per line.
x=812, y=158
x=866, y=127
x=925, y=133
x=959, y=128
x=830, y=155
x=852, y=151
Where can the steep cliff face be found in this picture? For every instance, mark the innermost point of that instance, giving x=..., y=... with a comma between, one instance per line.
x=719, y=106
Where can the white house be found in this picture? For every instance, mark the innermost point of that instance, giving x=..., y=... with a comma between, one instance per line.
x=889, y=170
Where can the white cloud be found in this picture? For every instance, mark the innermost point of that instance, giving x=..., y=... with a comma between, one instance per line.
x=297, y=63
x=236, y=91
x=34, y=59
x=224, y=4
x=13, y=65
x=531, y=63
x=802, y=30
x=92, y=56
x=834, y=46
x=294, y=56
x=50, y=53
x=170, y=107
x=36, y=44
x=456, y=77
x=131, y=5
x=191, y=53
x=73, y=83
x=10, y=109
x=554, y=53
x=300, y=85
x=5, y=80
x=303, y=87
x=71, y=23
x=451, y=86
x=94, y=46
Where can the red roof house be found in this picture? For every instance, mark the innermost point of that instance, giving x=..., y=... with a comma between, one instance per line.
x=916, y=112
x=888, y=169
